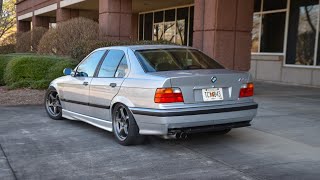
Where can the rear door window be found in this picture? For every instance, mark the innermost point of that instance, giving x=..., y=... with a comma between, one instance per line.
x=114, y=65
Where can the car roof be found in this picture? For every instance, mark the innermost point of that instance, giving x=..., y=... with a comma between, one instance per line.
x=147, y=47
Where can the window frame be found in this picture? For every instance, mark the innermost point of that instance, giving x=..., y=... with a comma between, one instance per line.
x=314, y=65
x=84, y=59
x=261, y=13
x=102, y=60
x=189, y=6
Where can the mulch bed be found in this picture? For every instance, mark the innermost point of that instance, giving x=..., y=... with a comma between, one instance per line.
x=21, y=97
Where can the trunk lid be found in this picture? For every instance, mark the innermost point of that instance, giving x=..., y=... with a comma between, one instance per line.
x=192, y=83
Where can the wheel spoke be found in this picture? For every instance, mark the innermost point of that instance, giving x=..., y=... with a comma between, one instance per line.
x=125, y=128
x=55, y=109
x=52, y=97
x=122, y=113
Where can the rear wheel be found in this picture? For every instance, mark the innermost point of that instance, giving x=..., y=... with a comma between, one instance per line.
x=52, y=104
x=125, y=128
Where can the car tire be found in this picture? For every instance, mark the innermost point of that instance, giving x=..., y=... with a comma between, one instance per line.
x=124, y=126
x=52, y=104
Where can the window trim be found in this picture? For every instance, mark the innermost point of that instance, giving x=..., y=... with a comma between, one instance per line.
x=102, y=60
x=314, y=66
x=261, y=13
x=84, y=59
x=286, y=33
x=164, y=9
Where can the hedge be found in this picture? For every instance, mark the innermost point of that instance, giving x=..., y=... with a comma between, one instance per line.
x=33, y=71
x=4, y=60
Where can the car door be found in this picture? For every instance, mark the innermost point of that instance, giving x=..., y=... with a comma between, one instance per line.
x=105, y=86
x=76, y=90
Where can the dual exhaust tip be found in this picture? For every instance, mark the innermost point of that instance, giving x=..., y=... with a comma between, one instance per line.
x=181, y=135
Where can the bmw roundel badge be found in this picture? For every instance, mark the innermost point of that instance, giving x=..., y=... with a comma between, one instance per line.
x=214, y=79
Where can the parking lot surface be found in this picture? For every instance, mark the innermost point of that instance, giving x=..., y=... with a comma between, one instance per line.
x=282, y=143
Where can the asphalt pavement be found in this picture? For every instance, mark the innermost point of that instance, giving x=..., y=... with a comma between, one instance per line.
x=282, y=143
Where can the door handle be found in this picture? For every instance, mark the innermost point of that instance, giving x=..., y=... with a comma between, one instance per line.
x=113, y=84
x=85, y=83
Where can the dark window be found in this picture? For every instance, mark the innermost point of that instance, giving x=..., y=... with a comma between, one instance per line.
x=175, y=59
x=274, y=4
x=302, y=32
x=158, y=17
x=89, y=65
x=269, y=26
x=148, y=18
x=141, y=27
x=174, y=25
x=257, y=5
x=170, y=15
x=191, y=26
x=110, y=63
x=272, y=32
x=182, y=25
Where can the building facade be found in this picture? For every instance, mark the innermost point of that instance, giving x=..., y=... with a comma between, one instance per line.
x=277, y=40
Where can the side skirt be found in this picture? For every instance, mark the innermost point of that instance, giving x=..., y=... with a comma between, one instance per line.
x=103, y=124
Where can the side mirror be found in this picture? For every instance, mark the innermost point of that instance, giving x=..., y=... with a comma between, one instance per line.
x=68, y=71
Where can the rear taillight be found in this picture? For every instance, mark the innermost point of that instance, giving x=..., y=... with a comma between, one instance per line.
x=246, y=90
x=168, y=95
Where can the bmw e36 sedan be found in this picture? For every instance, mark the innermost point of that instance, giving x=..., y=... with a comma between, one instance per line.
x=164, y=90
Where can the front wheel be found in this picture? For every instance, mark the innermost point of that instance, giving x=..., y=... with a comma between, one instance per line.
x=52, y=104
x=125, y=128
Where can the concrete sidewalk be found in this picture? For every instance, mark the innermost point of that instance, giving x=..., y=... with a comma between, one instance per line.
x=282, y=143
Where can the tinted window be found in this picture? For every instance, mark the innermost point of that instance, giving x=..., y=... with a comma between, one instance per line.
x=302, y=32
x=141, y=17
x=110, y=63
x=274, y=4
x=89, y=65
x=175, y=59
x=272, y=32
x=257, y=5
x=148, y=21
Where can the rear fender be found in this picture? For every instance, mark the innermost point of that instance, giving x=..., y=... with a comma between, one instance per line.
x=122, y=100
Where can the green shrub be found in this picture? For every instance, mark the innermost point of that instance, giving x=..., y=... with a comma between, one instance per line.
x=57, y=69
x=4, y=60
x=82, y=49
x=68, y=34
x=20, y=84
x=34, y=71
x=26, y=68
x=41, y=84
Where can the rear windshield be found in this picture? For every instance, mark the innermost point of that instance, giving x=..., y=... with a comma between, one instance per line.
x=175, y=59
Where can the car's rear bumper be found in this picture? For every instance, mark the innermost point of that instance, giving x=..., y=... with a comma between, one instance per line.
x=163, y=121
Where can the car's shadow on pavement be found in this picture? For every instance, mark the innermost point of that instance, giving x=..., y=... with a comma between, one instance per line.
x=205, y=137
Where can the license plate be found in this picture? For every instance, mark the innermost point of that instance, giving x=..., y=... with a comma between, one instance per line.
x=212, y=94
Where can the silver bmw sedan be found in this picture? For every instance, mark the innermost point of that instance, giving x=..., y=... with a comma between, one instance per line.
x=164, y=90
